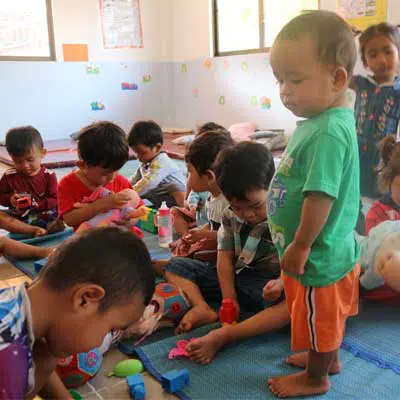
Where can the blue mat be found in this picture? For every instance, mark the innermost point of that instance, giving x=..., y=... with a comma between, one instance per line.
x=374, y=335
x=35, y=240
x=240, y=371
x=28, y=268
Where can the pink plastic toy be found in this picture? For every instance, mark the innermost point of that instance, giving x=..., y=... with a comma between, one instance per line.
x=180, y=349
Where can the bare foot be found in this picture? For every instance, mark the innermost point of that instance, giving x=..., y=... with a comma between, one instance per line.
x=56, y=226
x=299, y=360
x=204, y=349
x=196, y=316
x=297, y=385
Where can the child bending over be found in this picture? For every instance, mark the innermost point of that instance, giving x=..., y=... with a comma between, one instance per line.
x=102, y=150
x=388, y=207
x=313, y=201
x=247, y=259
x=158, y=178
x=77, y=299
x=28, y=178
x=200, y=243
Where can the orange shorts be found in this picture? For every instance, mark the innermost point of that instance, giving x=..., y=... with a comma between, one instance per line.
x=319, y=314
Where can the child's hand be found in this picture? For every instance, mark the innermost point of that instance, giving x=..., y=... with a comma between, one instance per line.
x=121, y=199
x=295, y=257
x=13, y=200
x=273, y=290
x=194, y=236
x=80, y=205
x=39, y=231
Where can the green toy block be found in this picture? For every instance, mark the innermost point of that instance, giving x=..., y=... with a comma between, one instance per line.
x=147, y=221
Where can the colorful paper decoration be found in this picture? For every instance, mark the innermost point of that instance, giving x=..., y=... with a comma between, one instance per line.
x=208, y=63
x=196, y=93
x=92, y=69
x=75, y=52
x=254, y=100
x=183, y=68
x=245, y=66
x=129, y=86
x=97, y=106
x=221, y=100
x=147, y=78
x=265, y=103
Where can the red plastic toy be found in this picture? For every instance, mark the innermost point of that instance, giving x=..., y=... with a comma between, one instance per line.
x=228, y=313
x=24, y=202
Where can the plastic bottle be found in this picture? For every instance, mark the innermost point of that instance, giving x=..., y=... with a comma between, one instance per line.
x=228, y=312
x=164, y=223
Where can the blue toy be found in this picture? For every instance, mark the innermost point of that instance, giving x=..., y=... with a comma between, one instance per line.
x=136, y=386
x=175, y=380
x=39, y=264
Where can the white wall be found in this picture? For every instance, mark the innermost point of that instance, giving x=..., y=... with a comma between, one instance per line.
x=78, y=21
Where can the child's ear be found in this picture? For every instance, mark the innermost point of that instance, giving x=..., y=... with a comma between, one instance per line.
x=158, y=146
x=86, y=298
x=44, y=152
x=340, y=78
x=211, y=175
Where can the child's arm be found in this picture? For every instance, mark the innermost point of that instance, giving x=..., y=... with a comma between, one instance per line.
x=6, y=193
x=152, y=178
x=78, y=215
x=225, y=266
x=49, y=201
x=315, y=212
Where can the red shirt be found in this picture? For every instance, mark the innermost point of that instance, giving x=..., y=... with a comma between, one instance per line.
x=42, y=187
x=380, y=212
x=72, y=190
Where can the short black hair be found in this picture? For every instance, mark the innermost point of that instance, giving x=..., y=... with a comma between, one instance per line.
x=210, y=126
x=147, y=133
x=333, y=37
x=22, y=139
x=385, y=29
x=245, y=167
x=103, y=144
x=204, y=149
x=112, y=258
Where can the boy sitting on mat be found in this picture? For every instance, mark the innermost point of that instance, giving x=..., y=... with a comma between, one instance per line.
x=102, y=150
x=158, y=178
x=77, y=299
x=247, y=259
x=28, y=189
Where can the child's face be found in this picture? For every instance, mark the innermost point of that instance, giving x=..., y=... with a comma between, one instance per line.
x=306, y=84
x=254, y=209
x=98, y=176
x=30, y=163
x=198, y=183
x=395, y=189
x=82, y=330
x=382, y=58
x=145, y=153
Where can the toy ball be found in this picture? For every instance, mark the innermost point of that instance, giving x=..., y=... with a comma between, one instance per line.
x=79, y=368
x=126, y=368
x=170, y=301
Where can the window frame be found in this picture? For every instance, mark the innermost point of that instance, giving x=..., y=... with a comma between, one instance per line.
x=50, y=30
x=261, y=31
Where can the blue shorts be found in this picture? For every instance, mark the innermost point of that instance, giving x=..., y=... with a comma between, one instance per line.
x=249, y=282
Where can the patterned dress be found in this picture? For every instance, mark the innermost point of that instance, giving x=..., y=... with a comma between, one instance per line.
x=377, y=112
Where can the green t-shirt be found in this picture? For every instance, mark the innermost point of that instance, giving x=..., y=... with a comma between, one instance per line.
x=322, y=156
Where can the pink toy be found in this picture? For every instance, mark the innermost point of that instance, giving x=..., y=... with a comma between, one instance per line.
x=180, y=349
x=131, y=213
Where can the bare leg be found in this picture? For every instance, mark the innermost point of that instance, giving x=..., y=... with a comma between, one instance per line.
x=180, y=225
x=204, y=349
x=179, y=198
x=313, y=381
x=200, y=313
x=300, y=360
x=158, y=266
x=14, y=225
x=22, y=250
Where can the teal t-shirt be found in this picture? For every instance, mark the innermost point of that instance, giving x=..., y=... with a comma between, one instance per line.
x=322, y=156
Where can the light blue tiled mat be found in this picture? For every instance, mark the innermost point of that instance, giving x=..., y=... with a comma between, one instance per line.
x=28, y=268
x=240, y=372
x=374, y=335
